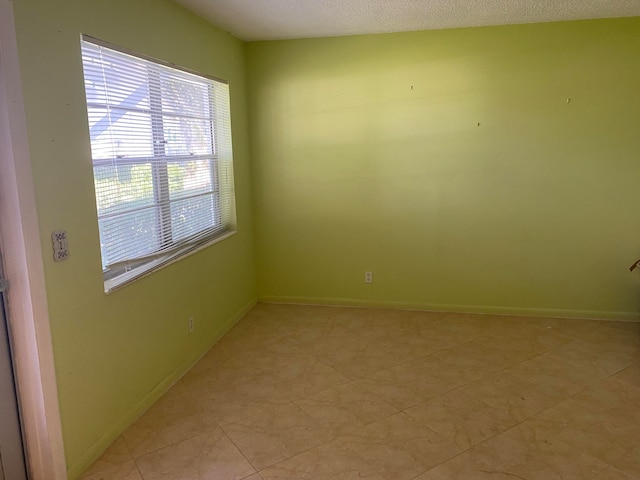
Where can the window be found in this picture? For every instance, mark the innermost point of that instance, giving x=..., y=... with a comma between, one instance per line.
x=162, y=160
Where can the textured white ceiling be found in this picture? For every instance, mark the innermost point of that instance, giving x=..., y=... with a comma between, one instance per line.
x=279, y=19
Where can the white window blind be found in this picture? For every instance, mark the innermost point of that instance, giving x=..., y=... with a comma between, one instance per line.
x=162, y=159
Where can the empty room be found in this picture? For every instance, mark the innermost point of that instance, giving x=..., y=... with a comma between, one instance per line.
x=303, y=240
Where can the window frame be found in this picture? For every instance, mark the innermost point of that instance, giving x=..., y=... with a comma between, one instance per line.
x=223, y=209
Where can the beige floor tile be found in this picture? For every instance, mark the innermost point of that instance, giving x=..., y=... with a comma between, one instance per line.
x=440, y=335
x=413, y=382
x=533, y=342
x=470, y=465
x=312, y=379
x=273, y=335
x=554, y=376
x=301, y=380
x=232, y=401
x=508, y=326
x=518, y=454
x=461, y=418
x=115, y=455
x=464, y=363
x=603, y=359
x=274, y=434
x=522, y=452
x=302, y=337
x=571, y=327
x=486, y=354
x=304, y=324
x=122, y=471
x=247, y=338
x=212, y=360
x=420, y=341
x=626, y=333
x=375, y=324
x=618, y=399
x=629, y=463
x=359, y=359
x=519, y=397
x=630, y=375
x=628, y=325
x=284, y=345
x=166, y=423
x=337, y=349
x=581, y=424
x=613, y=474
x=234, y=408
x=276, y=366
x=343, y=408
x=287, y=380
x=404, y=347
x=211, y=456
x=514, y=329
x=330, y=461
x=349, y=323
x=398, y=447
x=394, y=388
x=224, y=377
x=462, y=327
x=228, y=378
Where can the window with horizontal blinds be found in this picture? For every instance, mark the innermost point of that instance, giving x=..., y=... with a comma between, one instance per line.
x=162, y=159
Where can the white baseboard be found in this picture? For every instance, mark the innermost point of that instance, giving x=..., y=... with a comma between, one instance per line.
x=451, y=308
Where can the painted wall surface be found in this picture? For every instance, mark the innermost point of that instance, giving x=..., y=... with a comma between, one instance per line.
x=115, y=354
x=451, y=164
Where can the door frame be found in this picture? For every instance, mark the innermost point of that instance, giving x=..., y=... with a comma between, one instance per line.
x=12, y=441
x=27, y=311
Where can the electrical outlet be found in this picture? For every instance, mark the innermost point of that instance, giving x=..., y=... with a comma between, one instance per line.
x=368, y=277
x=192, y=325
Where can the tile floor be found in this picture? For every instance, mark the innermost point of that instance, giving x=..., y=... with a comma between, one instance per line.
x=319, y=393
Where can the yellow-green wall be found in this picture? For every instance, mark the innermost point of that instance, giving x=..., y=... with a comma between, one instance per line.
x=452, y=165
x=114, y=354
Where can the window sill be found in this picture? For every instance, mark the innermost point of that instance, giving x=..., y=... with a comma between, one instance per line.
x=126, y=278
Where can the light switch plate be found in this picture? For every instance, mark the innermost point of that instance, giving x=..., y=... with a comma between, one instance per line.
x=60, y=245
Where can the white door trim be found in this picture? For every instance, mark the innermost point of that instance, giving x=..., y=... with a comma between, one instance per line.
x=12, y=458
x=28, y=315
